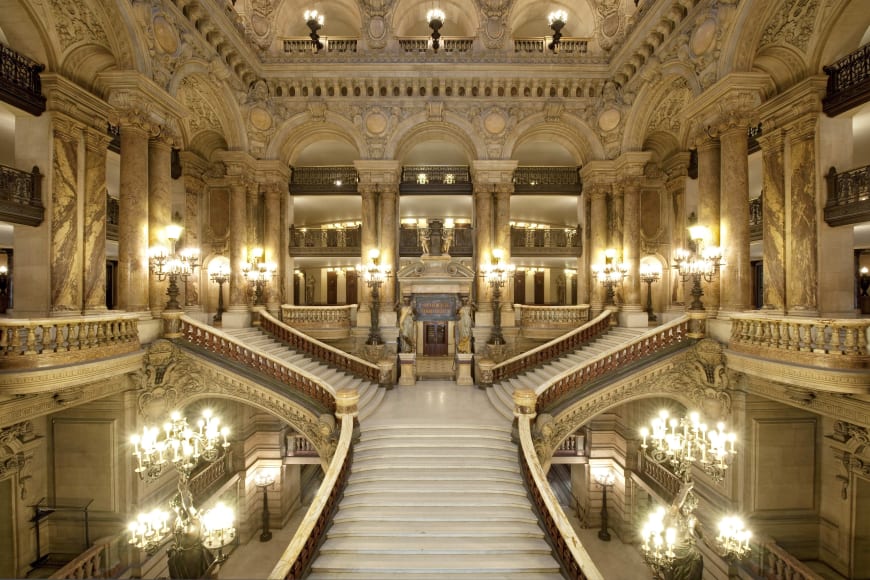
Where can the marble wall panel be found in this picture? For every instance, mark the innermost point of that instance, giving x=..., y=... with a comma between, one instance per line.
x=95, y=223
x=773, y=212
x=66, y=261
x=801, y=273
x=84, y=460
x=784, y=465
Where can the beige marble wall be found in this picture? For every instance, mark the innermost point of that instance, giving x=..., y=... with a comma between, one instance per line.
x=159, y=212
x=736, y=276
x=96, y=143
x=66, y=257
x=616, y=213
x=773, y=213
x=801, y=275
x=133, y=215
x=709, y=205
x=369, y=233
x=502, y=235
x=584, y=208
x=676, y=187
x=194, y=188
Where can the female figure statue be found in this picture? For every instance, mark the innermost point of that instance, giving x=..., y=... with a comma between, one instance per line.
x=407, y=328
x=464, y=326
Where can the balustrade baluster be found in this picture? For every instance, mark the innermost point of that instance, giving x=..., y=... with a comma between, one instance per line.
x=30, y=343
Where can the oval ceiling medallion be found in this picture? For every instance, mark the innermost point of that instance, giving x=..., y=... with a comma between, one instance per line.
x=164, y=34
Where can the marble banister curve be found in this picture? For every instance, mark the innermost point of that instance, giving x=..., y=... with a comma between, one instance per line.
x=321, y=322
x=550, y=321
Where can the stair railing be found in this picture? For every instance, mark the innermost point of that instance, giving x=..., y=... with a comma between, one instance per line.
x=552, y=350
x=299, y=554
x=321, y=351
x=644, y=346
x=769, y=560
x=228, y=348
x=567, y=547
x=92, y=563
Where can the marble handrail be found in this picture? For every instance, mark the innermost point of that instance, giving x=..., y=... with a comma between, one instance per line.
x=771, y=561
x=553, y=349
x=89, y=564
x=551, y=316
x=824, y=342
x=319, y=321
x=231, y=349
x=645, y=345
x=297, y=557
x=43, y=342
x=320, y=350
x=575, y=560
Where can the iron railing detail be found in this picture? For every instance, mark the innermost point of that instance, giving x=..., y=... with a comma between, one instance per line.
x=848, y=82
x=462, y=246
x=344, y=241
x=555, y=179
x=21, y=196
x=323, y=179
x=20, y=85
x=848, y=196
x=546, y=241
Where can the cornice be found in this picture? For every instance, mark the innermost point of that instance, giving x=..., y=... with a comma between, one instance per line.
x=30, y=382
x=790, y=106
x=740, y=90
x=853, y=382
x=132, y=89
x=64, y=96
x=632, y=163
x=598, y=171
x=238, y=163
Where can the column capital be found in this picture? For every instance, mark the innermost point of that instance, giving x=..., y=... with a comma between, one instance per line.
x=238, y=164
x=64, y=96
x=133, y=90
x=66, y=128
x=677, y=166
x=492, y=171
x=733, y=96
x=598, y=171
x=790, y=106
x=803, y=128
x=96, y=140
x=632, y=163
x=772, y=140
x=378, y=171
x=272, y=172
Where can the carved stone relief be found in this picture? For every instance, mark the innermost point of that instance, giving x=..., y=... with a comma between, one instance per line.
x=609, y=23
x=793, y=24
x=75, y=23
x=203, y=116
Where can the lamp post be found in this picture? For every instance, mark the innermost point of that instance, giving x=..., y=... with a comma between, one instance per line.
x=557, y=20
x=496, y=274
x=195, y=532
x=702, y=264
x=167, y=264
x=375, y=274
x=314, y=21
x=258, y=272
x=610, y=273
x=220, y=275
x=650, y=274
x=605, y=479
x=436, y=21
x=263, y=481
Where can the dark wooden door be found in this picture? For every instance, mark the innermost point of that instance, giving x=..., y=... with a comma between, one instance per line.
x=435, y=339
x=297, y=289
x=332, y=288
x=111, y=284
x=520, y=287
x=350, y=291
x=539, y=287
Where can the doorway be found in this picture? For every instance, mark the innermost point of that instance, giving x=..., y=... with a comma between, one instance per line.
x=520, y=287
x=350, y=288
x=539, y=287
x=331, y=288
x=435, y=339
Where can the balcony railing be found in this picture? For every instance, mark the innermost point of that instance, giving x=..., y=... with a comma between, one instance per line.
x=435, y=179
x=848, y=196
x=331, y=44
x=462, y=246
x=20, y=85
x=321, y=322
x=449, y=44
x=769, y=560
x=21, y=196
x=113, y=213
x=546, y=241
x=539, y=45
x=543, y=179
x=323, y=179
x=345, y=241
x=848, y=82
x=756, y=219
x=550, y=321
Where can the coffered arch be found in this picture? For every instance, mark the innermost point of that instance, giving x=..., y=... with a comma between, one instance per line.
x=419, y=128
x=299, y=131
x=658, y=108
x=209, y=107
x=569, y=131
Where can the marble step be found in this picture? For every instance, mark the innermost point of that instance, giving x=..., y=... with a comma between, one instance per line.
x=423, y=544
x=471, y=564
x=434, y=454
x=433, y=529
x=429, y=499
x=423, y=467
x=388, y=574
x=371, y=486
x=426, y=445
x=465, y=515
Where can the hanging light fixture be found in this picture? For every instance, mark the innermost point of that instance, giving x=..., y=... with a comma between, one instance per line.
x=314, y=20
x=557, y=20
x=436, y=21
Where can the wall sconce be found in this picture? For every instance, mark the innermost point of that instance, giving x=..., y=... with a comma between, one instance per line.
x=557, y=20
x=436, y=21
x=314, y=21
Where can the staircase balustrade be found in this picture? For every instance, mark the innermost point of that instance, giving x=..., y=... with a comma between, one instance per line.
x=203, y=481
x=92, y=563
x=228, y=348
x=42, y=342
x=822, y=342
x=321, y=351
x=771, y=562
x=567, y=547
x=661, y=475
x=551, y=317
x=552, y=350
x=320, y=321
x=643, y=347
x=297, y=557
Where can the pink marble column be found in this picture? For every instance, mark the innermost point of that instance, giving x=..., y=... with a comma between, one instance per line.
x=66, y=253
x=94, y=235
x=631, y=244
x=801, y=273
x=709, y=205
x=598, y=243
x=773, y=216
x=483, y=240
x=133, y=215
x=238, y=287
x=271, y=242
x=159, y=211
x=736, y=276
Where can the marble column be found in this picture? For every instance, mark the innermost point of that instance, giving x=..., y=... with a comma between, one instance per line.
x=133, y=216
x=369, y=234
x=773, y=219
x=483, y=240
x=502, y=235
x=94, y=235
x=616, y=217
x=801, y=273
x=271, y=243
x=709, y=204
x=736, y=276
x=238, y=287
x=676, y=187
x=194, y=188
x=254, y=234
x=389, y=241
x=583, y=265
x=159, y=211
x=289, y=263
x=631, y=244
x=598, y=232
x=66, y=257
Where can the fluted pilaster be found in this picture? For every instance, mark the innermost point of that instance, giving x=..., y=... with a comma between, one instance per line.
x=238, y=240
x=389, y=237
x=483, y=243
x=194, y=188
x=631, y=243
x=94, y=235
x=369, y=233
x=677, y=171
x=598, y=231
x=272, y=242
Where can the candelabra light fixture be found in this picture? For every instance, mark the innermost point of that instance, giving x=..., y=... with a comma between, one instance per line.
x=258, y=272
x=702, y=264
x=314, y=20
x=863, y=279
x=605, y=479
x=649, y=275
x=4, y=289
x=195, y=532
x=436, y=21
x=219, y=273
x=610, y=274
x=166, y=264
x=496, y=273
x=264, y=481
x=557, y=20
x=375, y=274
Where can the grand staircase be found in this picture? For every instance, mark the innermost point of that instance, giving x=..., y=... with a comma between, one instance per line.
x=501, y=393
